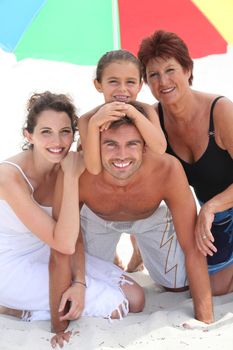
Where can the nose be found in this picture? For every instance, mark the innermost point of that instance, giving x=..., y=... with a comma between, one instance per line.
x=121, y=152
x=163, y=79
x=56, y=139
x=122, y=86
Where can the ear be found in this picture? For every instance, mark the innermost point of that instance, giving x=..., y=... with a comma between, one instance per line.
x=98, y=85
x=28, y=136
x=188, y=73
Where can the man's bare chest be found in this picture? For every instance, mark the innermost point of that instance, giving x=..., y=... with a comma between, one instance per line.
x=124, y=204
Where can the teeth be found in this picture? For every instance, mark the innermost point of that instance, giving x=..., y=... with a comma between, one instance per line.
x=121, y=165
x=55, y=150
x=166, y=91
x=121, y=98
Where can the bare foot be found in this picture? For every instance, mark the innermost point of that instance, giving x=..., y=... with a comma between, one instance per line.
x=135, y=263
x=10, y=312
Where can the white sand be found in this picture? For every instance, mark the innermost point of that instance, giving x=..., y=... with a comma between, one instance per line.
x=167, y=321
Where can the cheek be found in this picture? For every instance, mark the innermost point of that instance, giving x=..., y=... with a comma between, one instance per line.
x=68, y=139
x=153, y=86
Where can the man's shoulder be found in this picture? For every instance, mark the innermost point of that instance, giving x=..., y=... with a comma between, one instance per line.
x=164, y=162
x=87, y=177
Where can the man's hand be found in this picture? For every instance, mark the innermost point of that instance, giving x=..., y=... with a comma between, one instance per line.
x=59, y=339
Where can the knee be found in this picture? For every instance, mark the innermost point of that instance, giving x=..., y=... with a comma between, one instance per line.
x=134, y=294
x=222, y=282
x=137, y=302
x=222, y=289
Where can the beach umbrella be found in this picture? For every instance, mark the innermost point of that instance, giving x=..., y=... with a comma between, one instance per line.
x=79, y=31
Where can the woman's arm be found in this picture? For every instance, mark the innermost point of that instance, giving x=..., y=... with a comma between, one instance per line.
x=223, y=125
x=218, y=203
x=60, y=235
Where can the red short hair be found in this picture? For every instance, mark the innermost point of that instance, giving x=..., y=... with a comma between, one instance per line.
x=162, y=44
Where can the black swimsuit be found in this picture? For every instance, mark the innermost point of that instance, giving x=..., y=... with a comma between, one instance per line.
x=211, y=174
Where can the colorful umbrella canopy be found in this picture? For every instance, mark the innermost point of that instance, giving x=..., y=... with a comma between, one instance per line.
x=80, y=31
x=63, y=30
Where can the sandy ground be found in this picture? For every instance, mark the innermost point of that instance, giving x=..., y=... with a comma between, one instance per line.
x=167, y=322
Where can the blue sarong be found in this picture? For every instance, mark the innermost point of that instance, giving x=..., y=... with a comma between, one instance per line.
x=222, y=230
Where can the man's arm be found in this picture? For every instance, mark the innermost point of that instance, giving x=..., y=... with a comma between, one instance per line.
x=60, y=277
x=75, y=294
x=59, y=282
x=181, y=202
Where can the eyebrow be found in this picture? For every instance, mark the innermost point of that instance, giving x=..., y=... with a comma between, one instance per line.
x=45, y=127
x=113, y=77
x=49, y=128
x=129, y=141
x=109, y=140
x=135, y=140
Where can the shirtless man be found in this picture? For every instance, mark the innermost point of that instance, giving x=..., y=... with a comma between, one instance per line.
x=129, y=193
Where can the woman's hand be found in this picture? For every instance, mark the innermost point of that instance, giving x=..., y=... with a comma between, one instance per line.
x=76, y=296
x=73, y=164
x=204, y=237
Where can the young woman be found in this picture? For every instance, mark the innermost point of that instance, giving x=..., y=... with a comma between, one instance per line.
x=119, y=79
x=28, y=231
x=199, y=130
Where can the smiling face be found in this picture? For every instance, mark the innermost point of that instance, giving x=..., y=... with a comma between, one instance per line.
x=167, y=79
x=120, y=81
x=121, y=151
x=52, y=135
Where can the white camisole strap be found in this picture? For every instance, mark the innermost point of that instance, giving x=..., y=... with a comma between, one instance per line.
x=21, y=171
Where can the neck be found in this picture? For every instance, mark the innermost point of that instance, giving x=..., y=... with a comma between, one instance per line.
x=40, y=168
x=116, y=183
x=182, y=111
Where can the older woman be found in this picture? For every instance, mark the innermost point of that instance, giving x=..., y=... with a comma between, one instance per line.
x=199, y=131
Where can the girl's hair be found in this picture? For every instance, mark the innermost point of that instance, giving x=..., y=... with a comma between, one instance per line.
x=113, y=56
x=164, y=44
x=40, y=102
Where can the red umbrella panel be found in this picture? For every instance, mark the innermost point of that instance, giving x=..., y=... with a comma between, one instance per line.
x=139, y=19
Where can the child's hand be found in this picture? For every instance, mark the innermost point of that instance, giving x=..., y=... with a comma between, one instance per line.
x=108, y=113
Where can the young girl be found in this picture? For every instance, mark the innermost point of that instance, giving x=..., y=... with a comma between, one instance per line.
x=27, y=229
x=119, y=78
